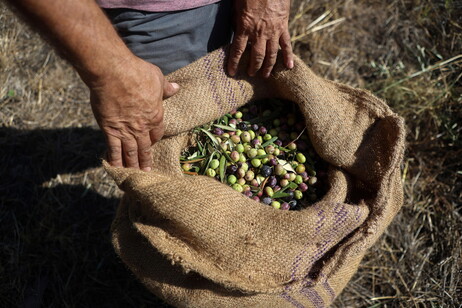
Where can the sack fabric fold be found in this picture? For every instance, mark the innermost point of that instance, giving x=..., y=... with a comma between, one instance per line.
x=195, y=242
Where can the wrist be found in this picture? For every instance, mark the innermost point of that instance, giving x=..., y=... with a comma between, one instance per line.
x=101, y=69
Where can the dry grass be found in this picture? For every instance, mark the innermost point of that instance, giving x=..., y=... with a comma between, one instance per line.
x=56, y=204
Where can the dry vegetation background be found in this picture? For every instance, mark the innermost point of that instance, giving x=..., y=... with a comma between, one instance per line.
x=56, y=204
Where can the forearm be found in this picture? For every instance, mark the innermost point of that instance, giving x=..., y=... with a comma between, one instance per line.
x=80, y=31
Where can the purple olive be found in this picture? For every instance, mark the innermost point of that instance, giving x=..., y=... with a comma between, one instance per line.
x=272, y=181
x=248, y=193
x=267, y=200
x=262, y=130
x=285, y=206
x=273, y=162
x=254, y=127
x=255, y=142
x=304, y=176
x=302, y=187
x=278, y=143
x=218, y=131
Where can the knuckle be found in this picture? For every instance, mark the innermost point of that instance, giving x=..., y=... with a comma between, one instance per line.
x=114, y=149
x=131, y=152
x=259, y=58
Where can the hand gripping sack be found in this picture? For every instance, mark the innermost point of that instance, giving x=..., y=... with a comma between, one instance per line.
x=195, y=242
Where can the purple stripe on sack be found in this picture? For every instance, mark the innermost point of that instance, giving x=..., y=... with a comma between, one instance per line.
x=358, y=214
x=326, y=286
x=299, y=257
x=341, y=217
x=291, y=300
x=318, y=253
x=320, y=214
x=213, y=83
x=329, y=290
x=313, y=296
x=320, y=223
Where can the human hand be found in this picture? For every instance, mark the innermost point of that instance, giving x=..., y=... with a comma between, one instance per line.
x=127, y=104
x=263, y=24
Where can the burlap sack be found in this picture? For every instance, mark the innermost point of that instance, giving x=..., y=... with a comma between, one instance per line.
x=196, y=242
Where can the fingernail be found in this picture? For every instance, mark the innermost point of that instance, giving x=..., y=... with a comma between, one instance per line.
x=291, y=64
x=232, y=72
x=175, y=85
x=147, y=169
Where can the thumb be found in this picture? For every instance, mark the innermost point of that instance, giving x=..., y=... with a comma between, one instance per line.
x=170, y=88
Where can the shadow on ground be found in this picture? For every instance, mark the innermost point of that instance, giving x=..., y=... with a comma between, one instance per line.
x=55, y=245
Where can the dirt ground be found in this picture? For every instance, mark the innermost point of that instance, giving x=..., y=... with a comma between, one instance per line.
x=56, y=204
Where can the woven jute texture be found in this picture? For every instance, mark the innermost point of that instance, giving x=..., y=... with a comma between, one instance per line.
x=196, y=242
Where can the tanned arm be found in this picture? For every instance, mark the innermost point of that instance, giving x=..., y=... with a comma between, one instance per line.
x=126, y=92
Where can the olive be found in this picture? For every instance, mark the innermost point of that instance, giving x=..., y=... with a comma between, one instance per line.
x=235, y=139
x=231, y=179
x=241, y=181
x=255, y=162
x=218, y=131
x=298, y=179
x=234, y=155
x=252, y=153
x=290, y=195
x=267, y=200
x=300, y=168
x=276, y=204
x=298, y=194
x=249, y=175
x=214, y=163
x=187, y=167
x=301, y=158
x=293, y=204
x=266, y=170
x=240, y=148
x=210, y=172
x=243, y=126
x=312, y=180
x=292, y=146
x=283, y=182
x=245, y=137
x=303, y=187
x=269, y=191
